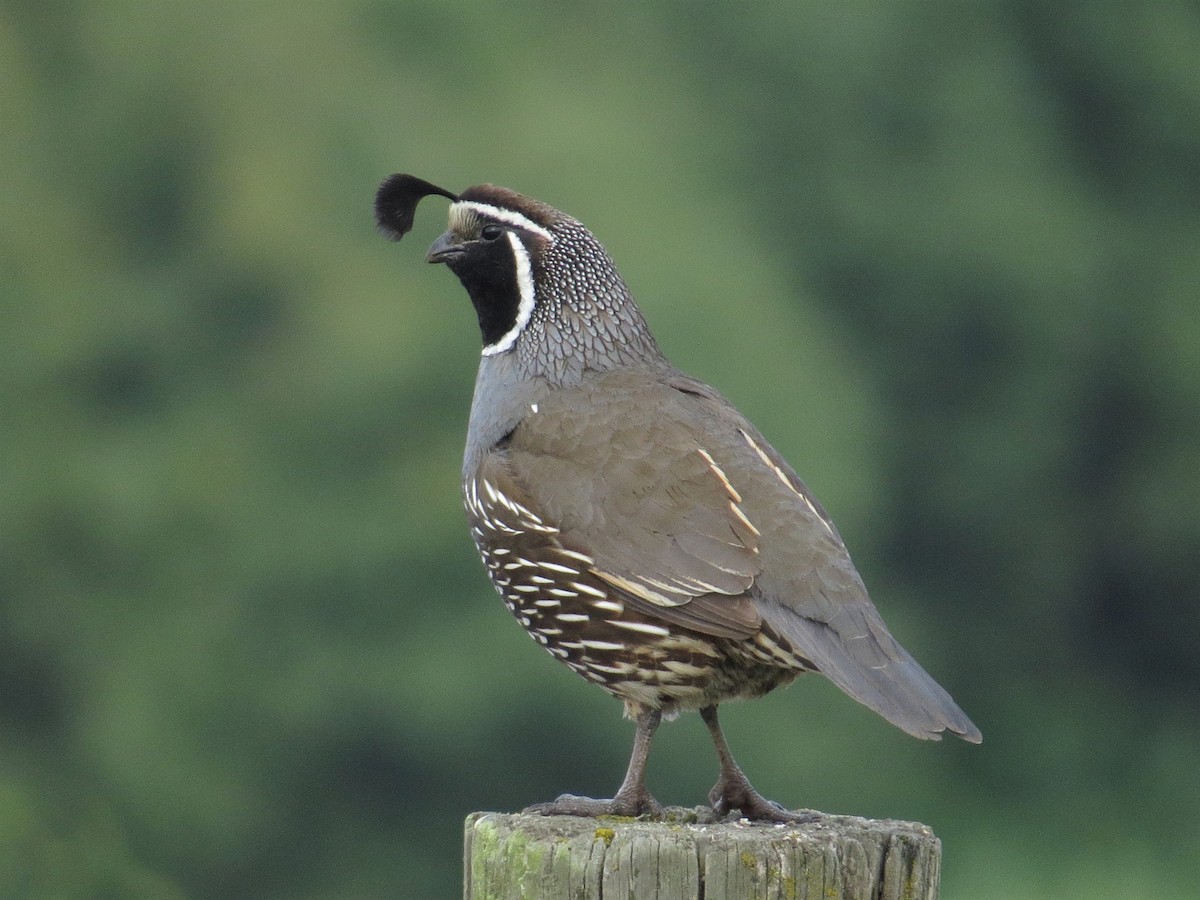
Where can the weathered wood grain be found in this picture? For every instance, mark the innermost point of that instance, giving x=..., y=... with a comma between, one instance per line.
x=690, y=857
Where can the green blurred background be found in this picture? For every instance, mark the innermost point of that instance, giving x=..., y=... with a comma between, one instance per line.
x=945, y=255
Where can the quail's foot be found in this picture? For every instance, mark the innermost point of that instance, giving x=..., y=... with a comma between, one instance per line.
x=732, y=793
x=632, y=804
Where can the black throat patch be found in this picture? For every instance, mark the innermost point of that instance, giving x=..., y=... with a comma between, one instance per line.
x=489, y=274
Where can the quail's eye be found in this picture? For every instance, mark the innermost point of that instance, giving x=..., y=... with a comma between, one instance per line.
x=491, y=231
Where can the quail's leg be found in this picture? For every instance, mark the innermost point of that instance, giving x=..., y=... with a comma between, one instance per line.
x=632, y=799
x=733, y=789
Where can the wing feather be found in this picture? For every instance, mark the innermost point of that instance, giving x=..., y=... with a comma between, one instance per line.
x=695, y=519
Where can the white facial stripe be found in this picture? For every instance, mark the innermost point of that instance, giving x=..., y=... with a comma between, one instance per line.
x=525, y=306
x=505, y=215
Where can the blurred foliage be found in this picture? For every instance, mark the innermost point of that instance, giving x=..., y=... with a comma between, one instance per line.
x=945, y=255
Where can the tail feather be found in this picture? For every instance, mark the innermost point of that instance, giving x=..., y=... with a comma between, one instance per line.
x=860, y=656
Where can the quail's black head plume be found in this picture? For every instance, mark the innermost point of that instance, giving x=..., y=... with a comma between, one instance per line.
x=635, y=523
x=396, y=203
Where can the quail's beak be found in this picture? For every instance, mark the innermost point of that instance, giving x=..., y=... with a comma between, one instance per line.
x=445, y=248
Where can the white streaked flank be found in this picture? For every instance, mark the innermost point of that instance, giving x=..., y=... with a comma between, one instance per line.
x=680, y=667
x=571, y=554
x=609, y=606
x=622, y=669
x=643, y=627
x=588, y=589
x=601, y=645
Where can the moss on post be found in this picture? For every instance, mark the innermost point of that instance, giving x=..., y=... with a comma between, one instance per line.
x=688, y=855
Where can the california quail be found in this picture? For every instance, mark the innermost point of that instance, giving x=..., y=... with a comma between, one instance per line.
x=635, y=523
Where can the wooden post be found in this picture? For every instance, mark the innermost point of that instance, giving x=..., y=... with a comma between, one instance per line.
x=688, y=856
